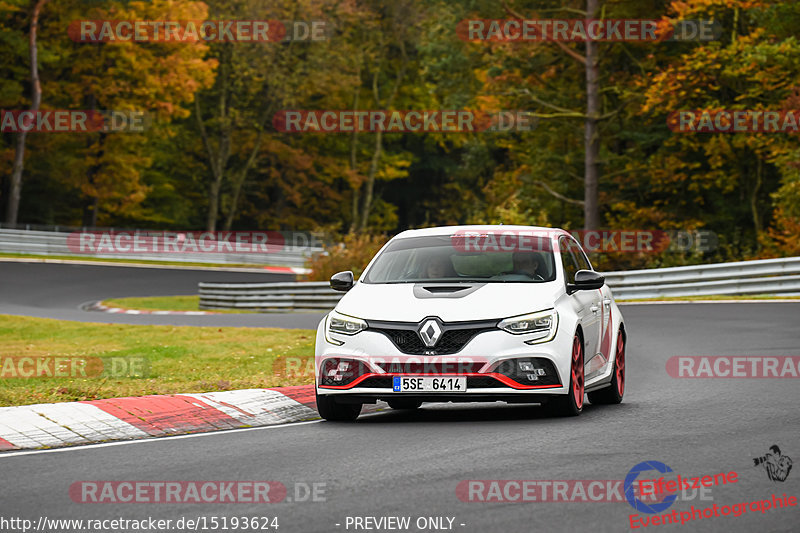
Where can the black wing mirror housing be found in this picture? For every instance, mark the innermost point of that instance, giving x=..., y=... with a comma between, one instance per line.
x=342, y=281
x=586, y=280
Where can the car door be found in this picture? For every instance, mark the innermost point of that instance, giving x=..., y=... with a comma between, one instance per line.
x=587, y=304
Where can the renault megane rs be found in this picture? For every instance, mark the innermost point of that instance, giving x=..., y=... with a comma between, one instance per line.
x=469, y=314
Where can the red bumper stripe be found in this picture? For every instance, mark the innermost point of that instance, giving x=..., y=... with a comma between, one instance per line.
x=499, y=377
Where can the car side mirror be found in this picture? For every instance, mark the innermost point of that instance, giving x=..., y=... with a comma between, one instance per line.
x=342, y=281
x=586, y=280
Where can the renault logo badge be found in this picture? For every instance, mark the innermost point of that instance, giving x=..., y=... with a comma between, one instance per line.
x=429, y=332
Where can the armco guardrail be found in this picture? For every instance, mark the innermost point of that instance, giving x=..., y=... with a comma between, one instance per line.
x=17, y=241
x=268, y=296
x=768, y=276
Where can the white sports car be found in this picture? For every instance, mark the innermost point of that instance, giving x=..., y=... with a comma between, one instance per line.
x=468, y=314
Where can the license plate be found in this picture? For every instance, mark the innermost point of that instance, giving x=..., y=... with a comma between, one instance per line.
x=429, y=384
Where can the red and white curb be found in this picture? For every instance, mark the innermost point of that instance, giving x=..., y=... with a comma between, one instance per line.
x=99, y=306
x=286, y=270
x=65, y=424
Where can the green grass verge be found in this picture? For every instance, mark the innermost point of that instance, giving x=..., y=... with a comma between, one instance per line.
x=166, y=303
x=179, y=359
x=157, y=303
x=713, y=297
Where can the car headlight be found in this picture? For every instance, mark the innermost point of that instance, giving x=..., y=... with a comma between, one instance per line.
x=542, y=325
x=342, y=325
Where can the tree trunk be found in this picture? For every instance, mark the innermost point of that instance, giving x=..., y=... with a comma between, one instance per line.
x=354, y=166
x=591, y=211
x=217, y=160
x=15, y=188
x=239, y=181
x=376, y=154
x=754, y=202
x=370, y=185
x=91, y=203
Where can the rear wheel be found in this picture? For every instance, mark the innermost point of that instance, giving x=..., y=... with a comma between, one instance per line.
x=571, y=404
x=614, y=392
x=404, y=403
x=330, y=409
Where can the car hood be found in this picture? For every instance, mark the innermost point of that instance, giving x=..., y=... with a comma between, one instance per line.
x=411, y=302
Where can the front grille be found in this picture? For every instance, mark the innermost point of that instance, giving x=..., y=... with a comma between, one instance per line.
x=416, y=367
x=452, y=340
x=377, y=382
x=483, y=382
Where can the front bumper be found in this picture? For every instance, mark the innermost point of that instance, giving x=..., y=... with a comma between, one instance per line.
x=490, y=361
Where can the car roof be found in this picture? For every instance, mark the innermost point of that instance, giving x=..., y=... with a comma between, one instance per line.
x=485, y=228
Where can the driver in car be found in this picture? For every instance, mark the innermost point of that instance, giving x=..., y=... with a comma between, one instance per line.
x=439, y=267
x=526, y=263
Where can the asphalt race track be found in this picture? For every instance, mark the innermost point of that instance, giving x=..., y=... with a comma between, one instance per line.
x=401, y=464
x=53, y=290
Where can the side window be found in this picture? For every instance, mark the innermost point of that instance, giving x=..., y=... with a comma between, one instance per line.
x=570, y=267
x=580, y=257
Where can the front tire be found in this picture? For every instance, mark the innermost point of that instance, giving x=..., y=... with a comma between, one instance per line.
x=571, y=404
x=613, y=393
x=333, y=411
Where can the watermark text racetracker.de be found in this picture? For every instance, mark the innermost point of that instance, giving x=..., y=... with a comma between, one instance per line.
x=190, y=242
x=199, y=491
x=583, y=30
x=73, y=366
x=733, y=366
x=178, y=31
x=602, y=241
x=397, y=121
x=46, y=524
x=74, y=121
x=563, y=491
x=734, y=121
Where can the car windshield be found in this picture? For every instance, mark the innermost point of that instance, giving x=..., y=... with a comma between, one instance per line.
x=444, y=258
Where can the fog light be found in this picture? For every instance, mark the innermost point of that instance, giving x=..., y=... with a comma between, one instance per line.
x=526, y=366
x=532, y=377
x=338, y=372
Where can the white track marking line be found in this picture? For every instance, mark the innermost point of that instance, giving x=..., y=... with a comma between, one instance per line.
x=153, y=439
x=670, y=302
x=222, y=268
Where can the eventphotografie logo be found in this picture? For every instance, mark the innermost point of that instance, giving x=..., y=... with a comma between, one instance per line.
x=667, y=491
x=634, y=500
x=775, y=464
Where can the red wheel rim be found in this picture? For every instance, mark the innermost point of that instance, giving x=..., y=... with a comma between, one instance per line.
x=620, y=364
x=577, y=371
